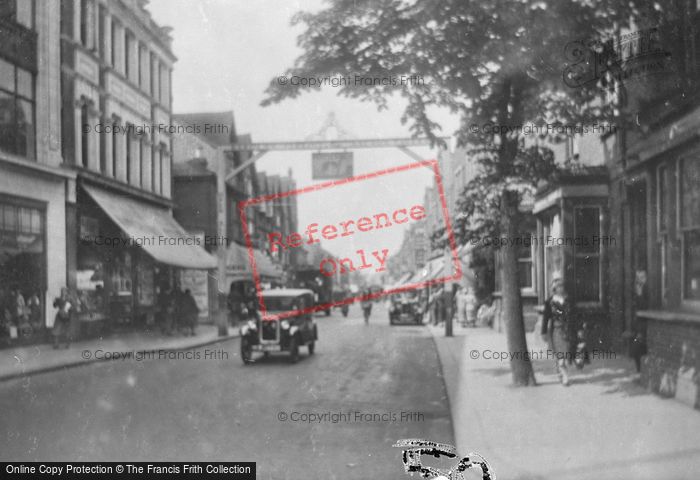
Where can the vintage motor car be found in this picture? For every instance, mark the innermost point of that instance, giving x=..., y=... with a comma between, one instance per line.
x=340, y=294
x=281, y=335
x=405, y=309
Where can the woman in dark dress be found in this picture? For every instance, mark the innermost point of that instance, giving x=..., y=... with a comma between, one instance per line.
x=557, y=326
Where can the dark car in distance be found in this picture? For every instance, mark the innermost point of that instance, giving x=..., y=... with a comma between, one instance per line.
x=281, y=335
x=405, y=309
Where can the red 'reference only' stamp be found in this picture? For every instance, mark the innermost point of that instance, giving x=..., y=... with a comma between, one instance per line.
x=353, y=230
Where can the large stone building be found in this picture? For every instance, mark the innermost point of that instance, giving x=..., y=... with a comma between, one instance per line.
x=124, y=246
x=32, y=182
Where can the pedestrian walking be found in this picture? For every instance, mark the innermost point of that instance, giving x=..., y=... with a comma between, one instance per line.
x=190, y=312
x=557, y=326
x=62, y=321
x=366, y=305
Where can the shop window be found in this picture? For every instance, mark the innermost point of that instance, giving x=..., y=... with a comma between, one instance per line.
x=145, y=291
x=121, y=275
x=689, y=215
x=526, y=271
x=553, y=250
x=17, y=129
x=587, y=254
x=665, y=212
x=22, y=264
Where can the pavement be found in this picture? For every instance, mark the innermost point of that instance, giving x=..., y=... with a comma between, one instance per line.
x=603, y=426
x=29, y=360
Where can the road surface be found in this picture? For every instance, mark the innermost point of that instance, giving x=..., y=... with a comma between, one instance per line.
x=381, y=384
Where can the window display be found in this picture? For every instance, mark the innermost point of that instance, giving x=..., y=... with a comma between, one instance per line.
x=22, y=268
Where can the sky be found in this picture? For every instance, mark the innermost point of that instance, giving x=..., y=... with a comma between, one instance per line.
x=229, y=50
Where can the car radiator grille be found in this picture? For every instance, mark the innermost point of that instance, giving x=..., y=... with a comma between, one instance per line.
x=269, y=330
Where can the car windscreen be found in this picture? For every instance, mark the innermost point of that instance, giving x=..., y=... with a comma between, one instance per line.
x=283, y=303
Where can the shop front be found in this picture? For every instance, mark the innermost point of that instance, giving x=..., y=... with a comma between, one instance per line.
x=32, y=250
x=663, y=275
x=131, y=254
x=572, y=243
x=22, y=268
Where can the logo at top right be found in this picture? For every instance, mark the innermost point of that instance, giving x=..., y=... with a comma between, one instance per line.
x=615, y=61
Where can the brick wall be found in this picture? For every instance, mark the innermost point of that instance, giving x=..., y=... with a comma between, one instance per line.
x=672, y=367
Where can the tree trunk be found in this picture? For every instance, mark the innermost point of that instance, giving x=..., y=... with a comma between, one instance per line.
x=512, y=310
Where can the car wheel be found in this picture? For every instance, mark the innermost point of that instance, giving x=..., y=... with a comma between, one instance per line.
x=391, y=321
x=345, y=311
x=246, y=351
x=294, y=350
x=312, y=347
x=328, y=312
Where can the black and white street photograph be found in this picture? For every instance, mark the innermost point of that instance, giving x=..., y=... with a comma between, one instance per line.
x=350, y=239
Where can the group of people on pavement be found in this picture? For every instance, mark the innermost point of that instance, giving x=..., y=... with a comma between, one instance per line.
x=19, y=314
x=177, y=311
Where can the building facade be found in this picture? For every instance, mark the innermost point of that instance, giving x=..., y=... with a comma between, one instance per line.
x=125, y=250
x=196, y=169
x=32, y=182
x=655, y=208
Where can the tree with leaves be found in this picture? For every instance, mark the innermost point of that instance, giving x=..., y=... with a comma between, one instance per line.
x=498, y=64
